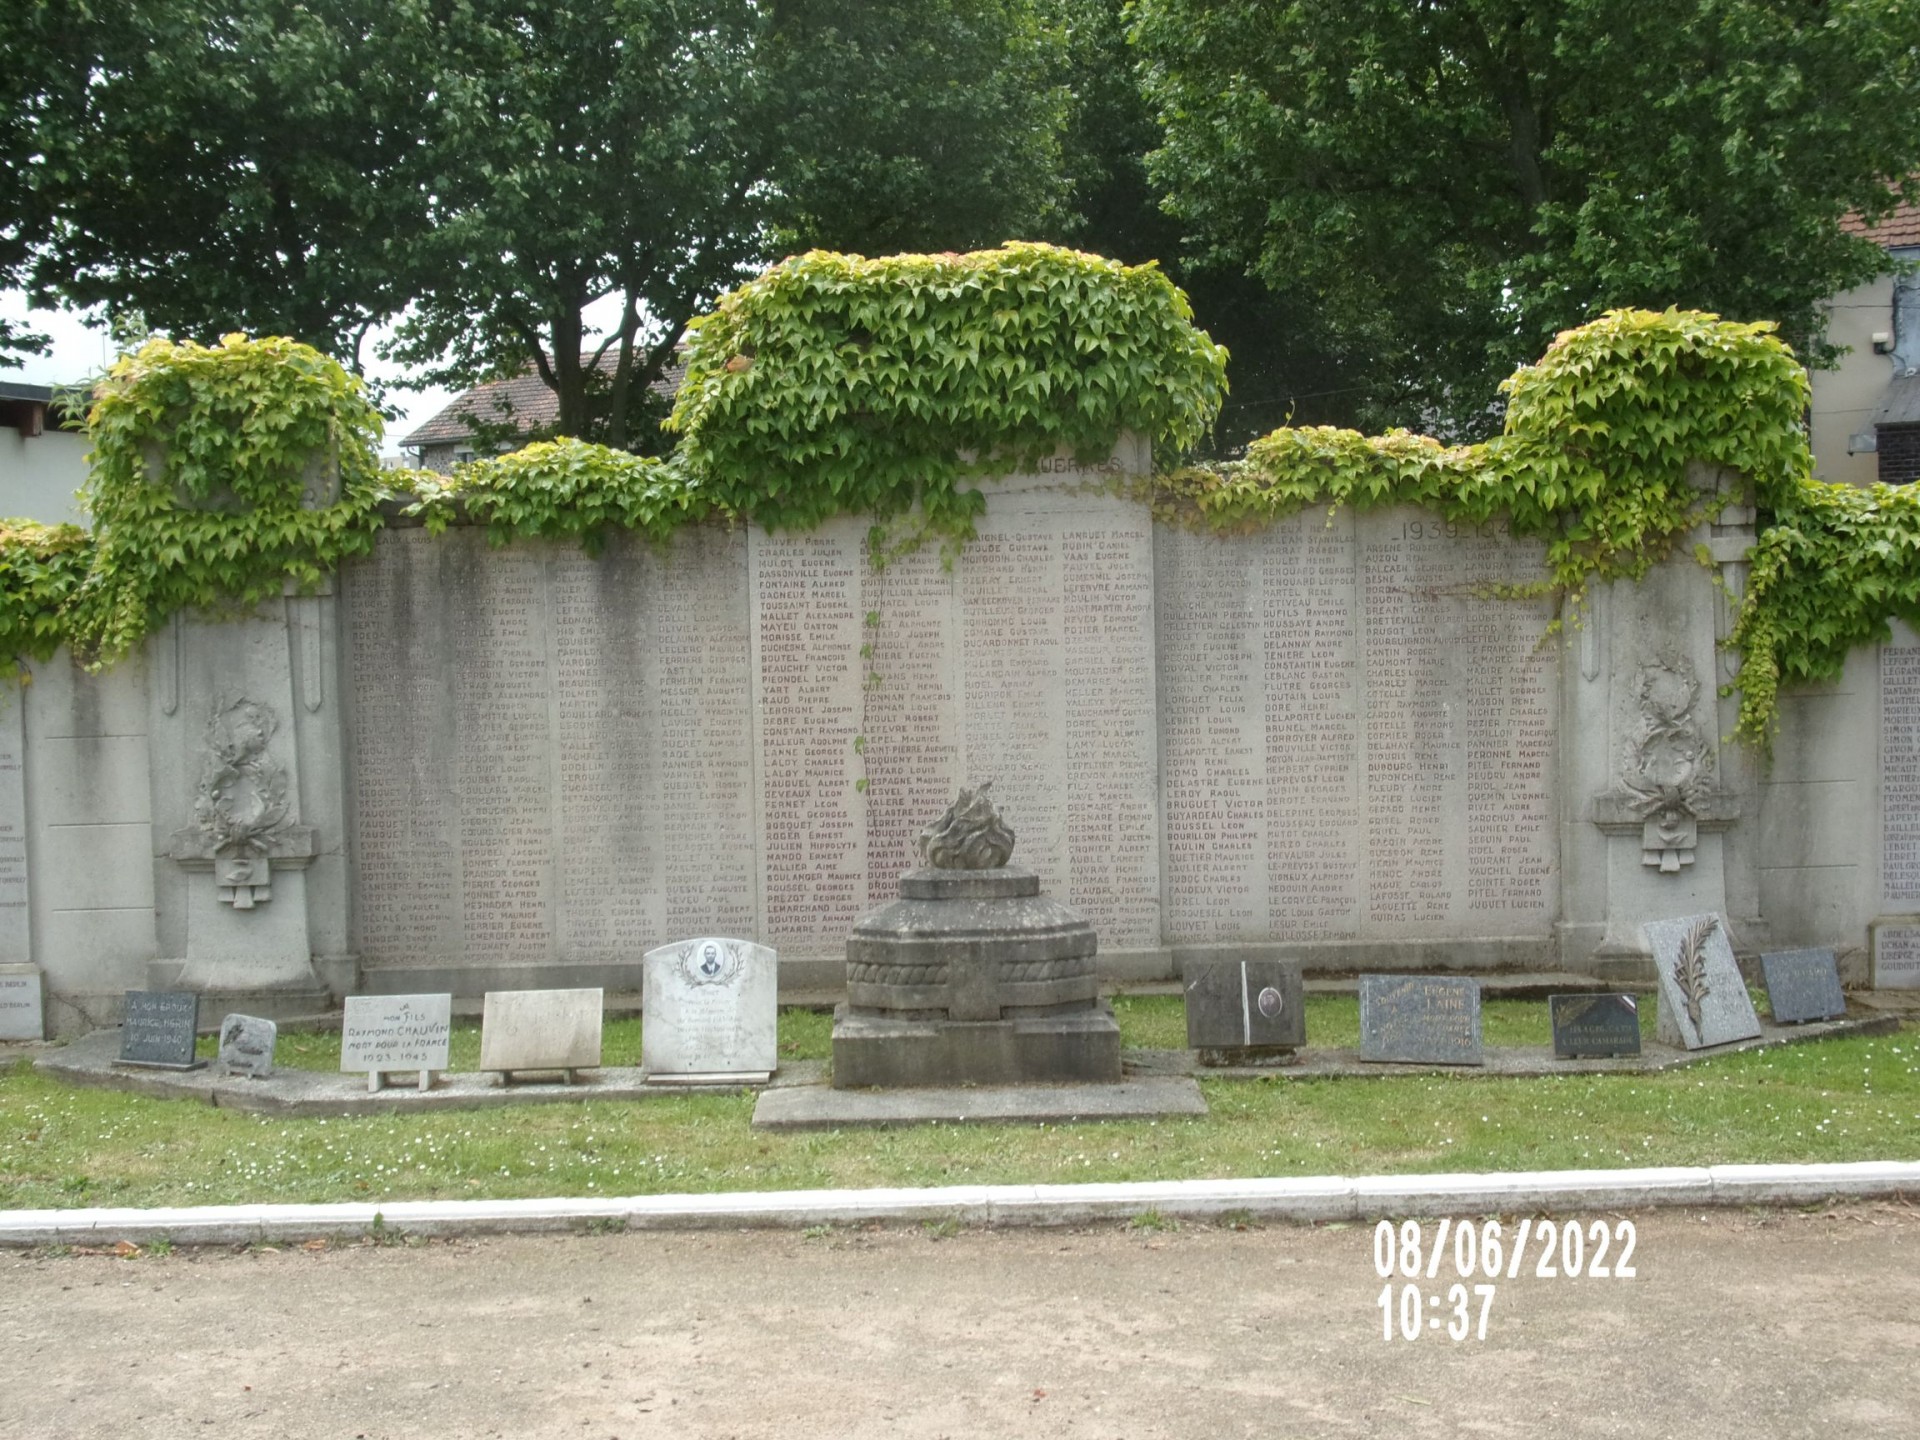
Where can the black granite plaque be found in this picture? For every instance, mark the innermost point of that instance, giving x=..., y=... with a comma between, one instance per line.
x=158, y=1030
x=1247, y=1006
x=1585, y=1026
x=1802, y=985
x=1420, y=1019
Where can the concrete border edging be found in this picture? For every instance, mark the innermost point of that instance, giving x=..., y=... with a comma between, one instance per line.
x=1299, y=1199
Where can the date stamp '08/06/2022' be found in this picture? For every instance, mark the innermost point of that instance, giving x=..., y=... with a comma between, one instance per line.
x=1484, y=1252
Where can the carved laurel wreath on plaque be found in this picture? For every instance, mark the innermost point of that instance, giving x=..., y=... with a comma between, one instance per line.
x=1669, y=765
x=243, y=795
x=709, y=962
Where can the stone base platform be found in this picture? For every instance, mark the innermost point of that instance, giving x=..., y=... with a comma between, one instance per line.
x=89, y=1062
x=812, y=1107
x=873, y=1050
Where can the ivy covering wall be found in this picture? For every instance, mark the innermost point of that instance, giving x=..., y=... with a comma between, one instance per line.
x=836, y=385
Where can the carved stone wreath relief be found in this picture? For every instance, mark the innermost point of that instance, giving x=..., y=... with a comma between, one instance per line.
x=1668, y=770
x=240, y=810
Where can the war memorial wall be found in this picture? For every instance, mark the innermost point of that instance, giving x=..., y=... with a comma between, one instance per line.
x=1325, y=740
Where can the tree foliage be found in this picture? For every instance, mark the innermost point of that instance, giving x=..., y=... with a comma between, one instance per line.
x=1455, y=182
x=208, y=166
x=911, y=125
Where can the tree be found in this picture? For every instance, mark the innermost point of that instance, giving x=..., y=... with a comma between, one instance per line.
x=912, y=125
x=1453, y=181
x=221, y=165
x=1279, y=372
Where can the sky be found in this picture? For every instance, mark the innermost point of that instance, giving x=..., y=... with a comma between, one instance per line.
x=80, y=351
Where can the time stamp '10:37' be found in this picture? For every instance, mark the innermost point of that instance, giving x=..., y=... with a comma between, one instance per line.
x=1558, y=1250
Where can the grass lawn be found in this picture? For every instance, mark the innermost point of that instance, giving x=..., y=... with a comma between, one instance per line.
x=1852, y=1099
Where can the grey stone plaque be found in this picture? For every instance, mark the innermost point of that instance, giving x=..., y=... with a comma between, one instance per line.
x=1420, y=1019
x=158, y=1030
x=1896, y=956
x=541, y=1030
x=1592, y=1025
x=1244, y=1005
x=1900, y=775
x=21, y=1001
x=383, y=1033
x=246, y=1045
x=1802, y=985
x=711, y=1011
x=1703, y=1000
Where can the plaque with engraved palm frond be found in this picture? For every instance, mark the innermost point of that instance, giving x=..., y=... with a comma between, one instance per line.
x=1690, y=966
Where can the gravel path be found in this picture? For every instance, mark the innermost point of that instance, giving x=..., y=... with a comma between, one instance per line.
x=1747, y=1324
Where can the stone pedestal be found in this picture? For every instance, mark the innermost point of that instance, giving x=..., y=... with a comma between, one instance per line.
x=973, y=977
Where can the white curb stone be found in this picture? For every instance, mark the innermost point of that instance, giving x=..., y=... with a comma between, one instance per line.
x=1328, y=1197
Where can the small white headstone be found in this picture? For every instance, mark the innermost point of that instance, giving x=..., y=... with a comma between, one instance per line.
x=1703, y=999
x=541, y=1030
x=21, y=1017
x=386, y=1033
x=710, y=1011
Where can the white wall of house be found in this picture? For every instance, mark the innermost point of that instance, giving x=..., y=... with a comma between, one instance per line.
x=1845, y=398
x=39, y=475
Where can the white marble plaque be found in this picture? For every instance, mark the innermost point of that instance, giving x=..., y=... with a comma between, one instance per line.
x=396, y=1032
x=711, y=1011
x=1900, y=775
x=21, y=1016
x=541, y=1030
x=1896, y=957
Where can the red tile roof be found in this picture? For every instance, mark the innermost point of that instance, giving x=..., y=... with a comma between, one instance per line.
x=524, y=401
x=1900, y=228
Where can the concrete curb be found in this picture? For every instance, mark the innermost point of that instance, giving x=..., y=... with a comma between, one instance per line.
x=1310, y=1198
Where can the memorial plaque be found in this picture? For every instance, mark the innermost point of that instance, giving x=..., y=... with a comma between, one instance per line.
x=711, y=1011
x=1587, y=1026
x=1703, y=1000
x=1900, y=775
x=541, y=1030
x=1896, y=957
x=1355, y=745
x=387, y=1033
x=246, y=1046
x=1420, y=1019
x=158, y=1029
x=14, y=937
x=1244, y=1005
x=518, y=720
x=1802, y=985
x=21, y=1001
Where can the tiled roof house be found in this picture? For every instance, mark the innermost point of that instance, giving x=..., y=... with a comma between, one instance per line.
x=1866, y=411
x=523, y=402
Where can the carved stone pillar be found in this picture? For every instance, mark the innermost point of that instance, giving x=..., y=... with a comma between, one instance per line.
x=230, y=882
x=1644, y=723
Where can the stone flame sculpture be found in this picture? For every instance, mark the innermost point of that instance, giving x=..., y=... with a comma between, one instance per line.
x=972, y=976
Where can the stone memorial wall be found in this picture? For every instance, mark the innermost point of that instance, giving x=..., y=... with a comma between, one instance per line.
x=1325, y=733
x=1357, y=746
x=555, y=760
x=15, y=946
x=1900, y=776
x=550, y=756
